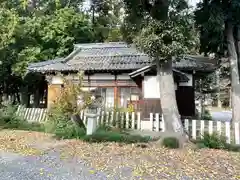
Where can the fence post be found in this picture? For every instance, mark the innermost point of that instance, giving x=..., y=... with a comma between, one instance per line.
x=102, y=118
x=133, y=120
x=228, y=134
x=219, y=127
x=111, y=118
x=107, y=118
x=157, y=122
x=202, y=129
x=194, y=130
x=162, y=124
x=26, y=113
x=139, y=121
x=127, y=120
x=151, y=121
x=210, y=127
x=236, y=128
x=122, y=120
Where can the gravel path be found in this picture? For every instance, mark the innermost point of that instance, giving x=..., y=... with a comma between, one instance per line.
x=45, y=167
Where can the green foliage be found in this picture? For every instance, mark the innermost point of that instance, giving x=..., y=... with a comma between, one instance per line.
x=206, y=115
x=140, y=14
x=9, y=120
x=62, y=127
x=37, y=33
x=68, y=104
x=114, y=35
x=72, y=99
x=68, y=130
x=214, y=140
x=106, y=17
x=162, y=40
x=9, y=24
x=170, y=142
x=104, y=134
x=211, y=18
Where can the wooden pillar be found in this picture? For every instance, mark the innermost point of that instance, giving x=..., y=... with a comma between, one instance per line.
x=54, y=90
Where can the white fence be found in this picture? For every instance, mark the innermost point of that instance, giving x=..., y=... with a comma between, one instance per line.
x=127, y=120
x=32, y=114
x=195, y=128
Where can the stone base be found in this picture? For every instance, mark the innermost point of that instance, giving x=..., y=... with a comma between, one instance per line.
x=91, y=123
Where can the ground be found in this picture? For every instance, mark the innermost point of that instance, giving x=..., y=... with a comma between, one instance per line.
x=45, y=167
x=224, y=116
x=34, y=155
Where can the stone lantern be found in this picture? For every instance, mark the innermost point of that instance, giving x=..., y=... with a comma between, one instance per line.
x=92, y=113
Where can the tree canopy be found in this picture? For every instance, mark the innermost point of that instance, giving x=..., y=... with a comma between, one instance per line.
x=219, y=25
x=39, y=30
x=164, y=30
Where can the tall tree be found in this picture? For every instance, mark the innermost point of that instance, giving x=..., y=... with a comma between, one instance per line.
x=31, y=35
x=165, y=35
x=50, y=36
x=106, y=19
x=218, y=21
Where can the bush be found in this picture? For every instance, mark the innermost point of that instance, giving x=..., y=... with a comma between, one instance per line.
x=68, y=105
x=69, y=131
x=8, y=118
x=206, y=115
x=171, y=142
x=102, y=135
x=62, y=127
x=214, y=141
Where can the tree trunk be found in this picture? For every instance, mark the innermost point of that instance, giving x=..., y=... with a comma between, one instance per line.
x=219, y=103
x=233, y=58
x=78, y=121
x=169, y=107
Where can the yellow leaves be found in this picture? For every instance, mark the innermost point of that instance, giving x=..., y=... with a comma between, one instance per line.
x=153, y=162
x=237, y=177
x=22, y=141
x=41, y=171
x=91, y=171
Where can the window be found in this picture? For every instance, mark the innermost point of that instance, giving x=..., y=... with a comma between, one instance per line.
x=108, y=96
x=129, y=94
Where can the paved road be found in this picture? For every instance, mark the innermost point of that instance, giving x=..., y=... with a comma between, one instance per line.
x=222, y=116
x=46, y=167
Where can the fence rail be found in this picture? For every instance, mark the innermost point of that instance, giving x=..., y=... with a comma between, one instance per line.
x=195, y=128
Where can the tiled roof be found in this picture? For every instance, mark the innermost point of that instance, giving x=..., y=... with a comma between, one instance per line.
x=111, y=56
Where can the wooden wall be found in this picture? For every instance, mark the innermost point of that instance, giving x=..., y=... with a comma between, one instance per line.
x=54, y=91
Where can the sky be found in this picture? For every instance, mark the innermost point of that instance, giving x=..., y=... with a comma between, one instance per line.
x=193, y=2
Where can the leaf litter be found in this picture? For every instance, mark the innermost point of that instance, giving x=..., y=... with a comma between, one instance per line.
x=120, y=161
